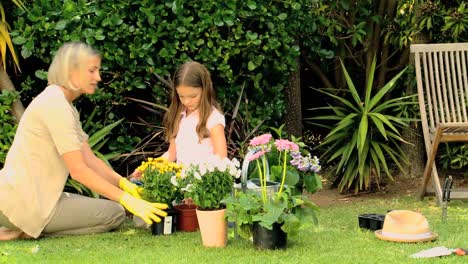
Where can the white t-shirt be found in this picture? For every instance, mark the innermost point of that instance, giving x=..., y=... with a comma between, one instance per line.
x=188, y=147
x=35, y=173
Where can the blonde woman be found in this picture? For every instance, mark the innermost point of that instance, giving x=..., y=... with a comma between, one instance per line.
x=48, y=146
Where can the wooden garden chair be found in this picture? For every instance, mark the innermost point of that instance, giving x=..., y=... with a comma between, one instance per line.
x=441, y=75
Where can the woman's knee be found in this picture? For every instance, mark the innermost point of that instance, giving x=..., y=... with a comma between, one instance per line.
x=117, y=217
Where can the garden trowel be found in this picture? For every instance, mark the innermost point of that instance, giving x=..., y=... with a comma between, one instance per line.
x=438, y=252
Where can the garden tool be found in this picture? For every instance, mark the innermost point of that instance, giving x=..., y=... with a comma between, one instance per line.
x=446, y=196
x=439, y=252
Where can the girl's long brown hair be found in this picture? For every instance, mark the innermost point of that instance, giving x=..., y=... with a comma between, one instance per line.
x=196, y=75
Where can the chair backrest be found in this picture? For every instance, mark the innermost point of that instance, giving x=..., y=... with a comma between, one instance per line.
x=441, y=75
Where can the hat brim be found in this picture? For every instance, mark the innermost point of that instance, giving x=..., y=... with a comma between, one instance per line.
x=379, y=235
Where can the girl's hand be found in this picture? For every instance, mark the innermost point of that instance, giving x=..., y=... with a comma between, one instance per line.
x=187, y=201
x=135, y=176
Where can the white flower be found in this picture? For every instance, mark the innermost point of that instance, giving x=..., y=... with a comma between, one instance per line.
x=197, y=175
x=235, y=162
x=222, y=166
x=203, y=169
x=174, y=180
x=185, y=171
x=238, y=174
x=188, y=188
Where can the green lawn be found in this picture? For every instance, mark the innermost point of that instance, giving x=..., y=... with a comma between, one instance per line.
x=337, y=239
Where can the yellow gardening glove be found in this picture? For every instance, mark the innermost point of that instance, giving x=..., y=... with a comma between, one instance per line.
x=129, y=187
x=145, y=210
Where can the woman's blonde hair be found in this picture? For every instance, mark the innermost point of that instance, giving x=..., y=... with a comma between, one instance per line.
x=70, y=56
x=196, y=75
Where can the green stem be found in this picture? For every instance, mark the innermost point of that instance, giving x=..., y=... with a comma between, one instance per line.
x=260, y=175
x=264, y=189
x=283, y=177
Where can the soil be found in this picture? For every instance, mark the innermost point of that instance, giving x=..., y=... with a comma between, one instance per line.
x=399, y=187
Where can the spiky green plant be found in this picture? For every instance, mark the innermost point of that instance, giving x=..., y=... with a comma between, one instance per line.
x=366, y=134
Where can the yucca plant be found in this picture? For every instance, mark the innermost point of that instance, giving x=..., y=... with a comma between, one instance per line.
x=366, y=134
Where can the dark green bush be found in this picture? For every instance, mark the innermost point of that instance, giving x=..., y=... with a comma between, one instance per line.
x=241, y=42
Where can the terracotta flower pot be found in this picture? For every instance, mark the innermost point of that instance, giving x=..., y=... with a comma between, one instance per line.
x=213, y=227
x=187, y=217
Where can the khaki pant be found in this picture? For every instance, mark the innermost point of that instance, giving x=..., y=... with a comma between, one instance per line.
x=78, y=215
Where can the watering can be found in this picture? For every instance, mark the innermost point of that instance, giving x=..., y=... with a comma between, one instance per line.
x=254, y=184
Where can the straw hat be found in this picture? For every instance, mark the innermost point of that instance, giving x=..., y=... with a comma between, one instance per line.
x=405, y=226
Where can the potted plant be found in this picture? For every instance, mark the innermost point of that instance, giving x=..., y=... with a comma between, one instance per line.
x=300, y=167
x=160, y=181
x=267, y=217
x=208, y=185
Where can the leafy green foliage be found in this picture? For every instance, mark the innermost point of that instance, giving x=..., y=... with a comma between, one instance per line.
x=158, y=187
x=160, y=180
x=440, y=21
x=7, y=123
x=209, y=183
x=249, y=42
x=366, y=133
x=245, y=208
x=5, y=40
x=453, y=156
x=298, y=179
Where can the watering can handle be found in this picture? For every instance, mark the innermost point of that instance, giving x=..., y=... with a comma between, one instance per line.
x=245, y=168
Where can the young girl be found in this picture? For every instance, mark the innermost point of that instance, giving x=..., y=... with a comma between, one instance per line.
x=194, y=122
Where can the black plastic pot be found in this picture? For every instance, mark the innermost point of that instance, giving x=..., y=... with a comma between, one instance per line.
x=167, y=225
x=371, y=221
x=264, y=238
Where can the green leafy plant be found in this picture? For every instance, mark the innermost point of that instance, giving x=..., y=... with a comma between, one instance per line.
x=208, y=184
x=283, y=206
x=8, y=123
x=366, y=134
x=300, y=167
x=454, y=156
x=247, y=43
x=160, y=179
x=5, y=41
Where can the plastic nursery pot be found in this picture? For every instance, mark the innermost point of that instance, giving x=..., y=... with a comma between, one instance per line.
x=187, y=217
x=167, y=225
x=371, y=221
x=264, y=238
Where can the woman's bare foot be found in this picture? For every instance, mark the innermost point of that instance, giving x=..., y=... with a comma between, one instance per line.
x=8, y=234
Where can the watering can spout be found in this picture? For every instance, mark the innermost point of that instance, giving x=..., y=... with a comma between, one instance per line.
x=245, y=167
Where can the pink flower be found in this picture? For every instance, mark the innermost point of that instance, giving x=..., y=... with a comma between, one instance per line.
x=260, y=140
x=257, y=155
x=283, y=144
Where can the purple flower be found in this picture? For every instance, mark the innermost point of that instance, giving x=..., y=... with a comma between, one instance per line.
x=306, y=163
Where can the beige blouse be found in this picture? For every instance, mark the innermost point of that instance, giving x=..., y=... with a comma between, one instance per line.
x=35, y=173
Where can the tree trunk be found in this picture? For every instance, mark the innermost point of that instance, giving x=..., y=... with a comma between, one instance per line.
x=293, y=103
x=6, y=85
x=416, y=152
